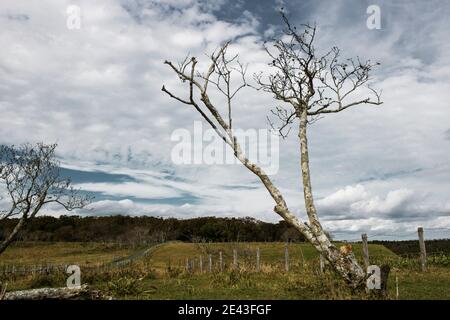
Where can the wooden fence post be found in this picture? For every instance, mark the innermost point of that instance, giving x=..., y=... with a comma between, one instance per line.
x=201, y=264
x=322, y=263
x=365, y=249
x=210, y=263
x=258, y=260
x=235, y=263
x=286, y=257
x=303, y=258
x=187, y=264
x=396, y=287
x=423, y=252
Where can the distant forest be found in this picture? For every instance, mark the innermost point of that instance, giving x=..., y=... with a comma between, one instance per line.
x=144, y=229
x=411, y=247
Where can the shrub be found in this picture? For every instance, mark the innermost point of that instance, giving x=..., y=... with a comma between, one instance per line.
x=125, y=287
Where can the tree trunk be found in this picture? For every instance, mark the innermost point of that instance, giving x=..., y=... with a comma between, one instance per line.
x=11, y=237
x=82, y=292
x=345, y=264
x=26, y=216
x=306, y=177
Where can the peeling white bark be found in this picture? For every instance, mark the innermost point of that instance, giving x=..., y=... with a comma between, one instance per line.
x=82, y=292
x=346, y=265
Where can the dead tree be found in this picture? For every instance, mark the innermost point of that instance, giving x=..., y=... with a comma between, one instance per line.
x=30, y=177
x=79, y=293
x=309, y=85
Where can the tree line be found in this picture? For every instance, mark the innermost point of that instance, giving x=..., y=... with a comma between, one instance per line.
x=143, y=229
x=410, y=247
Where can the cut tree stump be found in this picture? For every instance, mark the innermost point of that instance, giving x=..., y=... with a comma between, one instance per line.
x=82, y=292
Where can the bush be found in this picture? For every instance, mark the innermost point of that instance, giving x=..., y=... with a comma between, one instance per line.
x=173, y=272
x=234, y=278
x=48, y=281
x=125, y=287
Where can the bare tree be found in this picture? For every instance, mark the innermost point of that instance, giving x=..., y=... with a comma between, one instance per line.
x=30, y=177
x=309, y=85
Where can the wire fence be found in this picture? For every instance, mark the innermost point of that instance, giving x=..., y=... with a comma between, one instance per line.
x=47, y=268
x=218, y=262
x=435, y=233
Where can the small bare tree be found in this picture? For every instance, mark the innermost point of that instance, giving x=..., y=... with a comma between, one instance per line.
x=309, y=85
x=30, y=177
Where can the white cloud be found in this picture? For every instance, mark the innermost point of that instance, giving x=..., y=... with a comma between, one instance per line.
x=342, y=198
x=111, y=207
x=138, y=190
x=357, y=200
x=393, y=201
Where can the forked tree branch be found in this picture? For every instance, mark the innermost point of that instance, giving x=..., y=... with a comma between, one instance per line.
x=220, y=73
x=311, y=85
x=303, y=79
x=31, y=176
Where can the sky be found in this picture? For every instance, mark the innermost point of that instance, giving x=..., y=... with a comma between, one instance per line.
x=95, y=90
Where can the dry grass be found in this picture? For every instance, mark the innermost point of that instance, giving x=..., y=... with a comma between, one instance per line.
x=162, y=274
x=35, y=253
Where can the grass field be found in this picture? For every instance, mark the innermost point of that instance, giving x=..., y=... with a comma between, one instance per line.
x=161, y=273
x=35, y=253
